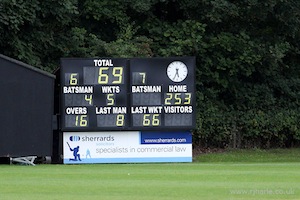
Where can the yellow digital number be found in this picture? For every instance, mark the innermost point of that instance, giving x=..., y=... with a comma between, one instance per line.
x=168, y=98
x=155, y=120
x=148, y=120
x=117, y=72
x=103, y=77
x=81, y=120
x=120, y=120
x=73, y=79
x=110, y=99
x=143, y=75
x=187, y=98
x=177, y=97
x=89, y=98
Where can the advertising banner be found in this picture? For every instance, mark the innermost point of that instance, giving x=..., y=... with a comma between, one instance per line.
x=126, y=147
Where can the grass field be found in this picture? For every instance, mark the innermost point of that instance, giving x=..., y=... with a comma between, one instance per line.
x=207, y=178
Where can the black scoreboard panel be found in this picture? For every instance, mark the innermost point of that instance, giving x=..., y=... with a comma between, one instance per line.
x=94, y=94
x=162, y=93
x=128, y=94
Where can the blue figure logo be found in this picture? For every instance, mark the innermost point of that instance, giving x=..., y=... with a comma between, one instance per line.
x=75, y=153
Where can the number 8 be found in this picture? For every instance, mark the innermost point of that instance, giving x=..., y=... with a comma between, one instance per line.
x=120, y=120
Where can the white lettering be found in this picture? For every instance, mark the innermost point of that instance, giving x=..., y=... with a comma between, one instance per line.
x=103, y=62
x=178, y=109
x=118, y=110
x=76, y=110
x=146, y=88
x=140, y=109
x=110, y=89
x=103, y=110
x=177, y=88
x=78, y=89
x=155, y=109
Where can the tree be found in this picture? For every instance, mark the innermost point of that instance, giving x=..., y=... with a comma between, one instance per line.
x=247, y=53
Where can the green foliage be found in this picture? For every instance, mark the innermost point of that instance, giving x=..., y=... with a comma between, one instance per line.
x=80, y=43
x=32, y=31
x=230, y=57
x=129, y=45
x=250, y=76
x=247, y=129
x=15, y=14
x=176, y=39
x=247, y=54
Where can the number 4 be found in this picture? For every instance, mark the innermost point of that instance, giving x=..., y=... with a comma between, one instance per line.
x=89, y=98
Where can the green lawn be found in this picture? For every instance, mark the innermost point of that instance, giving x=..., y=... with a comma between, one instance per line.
x=210, y=179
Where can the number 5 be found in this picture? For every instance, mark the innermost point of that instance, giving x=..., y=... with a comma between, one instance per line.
x=110, y=99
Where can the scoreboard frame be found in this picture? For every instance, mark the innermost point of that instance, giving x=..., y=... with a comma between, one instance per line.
x=123, y=94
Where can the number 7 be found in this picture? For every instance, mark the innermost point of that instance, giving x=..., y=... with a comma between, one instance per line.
x=143, y=75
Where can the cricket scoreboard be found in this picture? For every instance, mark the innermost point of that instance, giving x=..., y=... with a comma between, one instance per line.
x=127, y=94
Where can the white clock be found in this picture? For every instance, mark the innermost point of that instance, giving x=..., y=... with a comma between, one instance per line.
x=177, y=71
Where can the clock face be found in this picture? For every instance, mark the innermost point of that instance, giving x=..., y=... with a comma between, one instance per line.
x=177, y=71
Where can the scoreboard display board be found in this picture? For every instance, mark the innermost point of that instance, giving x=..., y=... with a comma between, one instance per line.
x=127, y=94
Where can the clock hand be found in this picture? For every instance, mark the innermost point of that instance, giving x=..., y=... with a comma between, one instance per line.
x=176, y=74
